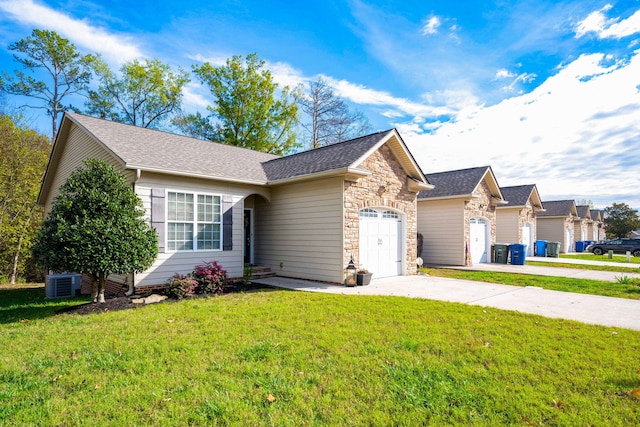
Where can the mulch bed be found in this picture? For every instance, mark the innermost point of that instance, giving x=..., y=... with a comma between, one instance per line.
x=124, y=303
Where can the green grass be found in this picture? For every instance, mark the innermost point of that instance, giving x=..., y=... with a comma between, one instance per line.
x=591, y=257
x=629, y=290
x=621, y=268
x=287, y=358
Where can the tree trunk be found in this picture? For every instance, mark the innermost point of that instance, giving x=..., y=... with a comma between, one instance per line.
x=14, y=271
x=101, y=288
x=94, y=288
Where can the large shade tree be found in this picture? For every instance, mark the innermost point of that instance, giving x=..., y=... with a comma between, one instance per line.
x=249, y=109
x=145, y=94
x=620, y=220
x=23, y=159
x=328, y=117
x=66, y=72
x=96, y=226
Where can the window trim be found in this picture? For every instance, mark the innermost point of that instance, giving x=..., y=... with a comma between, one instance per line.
x=194, y=221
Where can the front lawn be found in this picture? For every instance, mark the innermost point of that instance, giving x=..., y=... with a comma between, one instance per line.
x=595, y=287
x=591, y=257
x=621, y=268
x=288, y=358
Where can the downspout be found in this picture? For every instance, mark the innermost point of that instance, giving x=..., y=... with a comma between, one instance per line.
x=131, y=285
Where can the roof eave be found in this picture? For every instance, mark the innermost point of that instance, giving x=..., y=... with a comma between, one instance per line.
x=455, y=196
x=348, y=173
x=196, y=175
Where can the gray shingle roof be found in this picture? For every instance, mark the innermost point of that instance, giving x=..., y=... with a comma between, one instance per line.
x=454, y=183
x=331, y=157
x=557, y=208
x=149, y=148
x=517, y=195
x=152, y=149
x=596, y=214
x=583, y=211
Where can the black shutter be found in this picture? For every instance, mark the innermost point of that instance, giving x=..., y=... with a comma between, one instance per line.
x=158, y=215
x=227, y=223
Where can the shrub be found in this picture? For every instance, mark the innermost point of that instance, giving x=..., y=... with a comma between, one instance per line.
x=211, y=278
x=181, y=286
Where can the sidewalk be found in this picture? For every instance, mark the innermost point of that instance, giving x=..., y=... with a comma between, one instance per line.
x=592, y=309
x=608, y=276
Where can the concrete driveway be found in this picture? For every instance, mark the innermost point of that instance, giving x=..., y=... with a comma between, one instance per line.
x=592, y=309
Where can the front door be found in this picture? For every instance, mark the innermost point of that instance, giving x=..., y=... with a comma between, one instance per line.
x=248, y=236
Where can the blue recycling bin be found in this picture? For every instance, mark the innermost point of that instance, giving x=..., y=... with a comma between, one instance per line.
x=541, y=247
x=518, y=253
x=579, y=246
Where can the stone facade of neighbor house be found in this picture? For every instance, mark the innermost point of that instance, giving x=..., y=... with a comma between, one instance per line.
x=481, y=207
x=457, y=219
x=595, y=230
x=582, y=223
x=556, y=223
x=516, y=221
x=387, y=187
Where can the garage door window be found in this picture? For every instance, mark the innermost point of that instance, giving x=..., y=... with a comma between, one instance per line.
x=390, y=215
x=368, y=213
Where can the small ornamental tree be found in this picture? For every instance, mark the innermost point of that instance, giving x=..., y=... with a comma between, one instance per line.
x=96, y=227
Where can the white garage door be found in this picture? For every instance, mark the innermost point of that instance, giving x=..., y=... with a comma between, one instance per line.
x=381, y=242
x=478, y=233
x=527, y=233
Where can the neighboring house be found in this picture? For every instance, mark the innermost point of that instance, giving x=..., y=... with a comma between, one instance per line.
x=457, y=219
x=596, y=230
x=582, y=223
x=555, y=224
x=303, y=215
x=516, y=221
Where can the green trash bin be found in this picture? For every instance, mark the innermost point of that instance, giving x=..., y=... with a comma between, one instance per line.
x=500, y=253
x=553, y=249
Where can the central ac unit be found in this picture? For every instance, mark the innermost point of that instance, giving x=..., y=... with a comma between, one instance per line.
x=63, y=285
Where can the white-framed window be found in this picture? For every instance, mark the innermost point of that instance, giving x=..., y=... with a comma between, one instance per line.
x=390, y=215
x=368, y=213
x=194, y=221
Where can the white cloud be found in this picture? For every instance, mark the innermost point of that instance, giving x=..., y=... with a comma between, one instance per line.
x=431, y=26
x=504, y=74
x=598, y=23
x=193, y=100
x=573, y=135
x=114, y=49
x=360, y=94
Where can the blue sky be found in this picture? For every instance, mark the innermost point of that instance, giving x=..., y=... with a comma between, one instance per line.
x=546, y=92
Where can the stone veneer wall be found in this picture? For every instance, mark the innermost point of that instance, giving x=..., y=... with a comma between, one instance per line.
x=481, y=207
x=527, y=214
x=385, y=188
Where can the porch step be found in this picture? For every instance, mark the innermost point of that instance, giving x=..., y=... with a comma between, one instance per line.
x=258, y=272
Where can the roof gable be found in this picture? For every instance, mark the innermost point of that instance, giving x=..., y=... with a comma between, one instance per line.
x=343, y=157
x=565, y=208
x=596, y=214
x=583, y=211
x=462, y=182
x=520, y=195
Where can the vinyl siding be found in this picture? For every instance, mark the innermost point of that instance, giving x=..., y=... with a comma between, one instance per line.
x=508, y=226
x=169, y=263
x=80, y=146
x=441, y=223
x=552, y=230
x=299, y=234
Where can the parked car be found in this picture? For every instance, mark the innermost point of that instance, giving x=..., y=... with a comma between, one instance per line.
x=619, y=246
